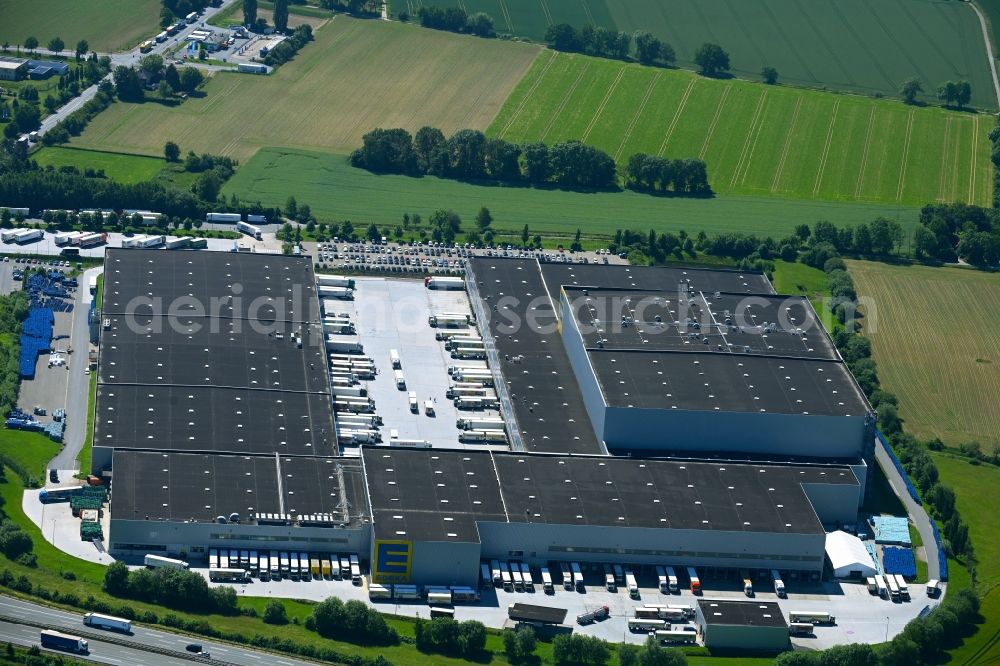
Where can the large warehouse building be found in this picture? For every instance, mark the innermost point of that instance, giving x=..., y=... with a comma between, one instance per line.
x=638, y=436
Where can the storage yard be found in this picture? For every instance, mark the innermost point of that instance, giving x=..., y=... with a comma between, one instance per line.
x=467, y=442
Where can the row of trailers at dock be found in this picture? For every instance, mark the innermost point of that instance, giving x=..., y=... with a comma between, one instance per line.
x=239, y=566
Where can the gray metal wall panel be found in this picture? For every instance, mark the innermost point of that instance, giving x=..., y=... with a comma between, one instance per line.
x=540, y=543
x=746, y=637
x=445, y=563
x=177, y=537
x=834, y=503
x=585, y=377
x=748, y=432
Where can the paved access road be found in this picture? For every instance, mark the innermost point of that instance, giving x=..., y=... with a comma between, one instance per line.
x=916, y=511
x=77, y=399
x=110, y=653
x=128, y=58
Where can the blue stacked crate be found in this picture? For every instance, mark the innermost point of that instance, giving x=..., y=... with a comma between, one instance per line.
x=899, y=561
x=36, y=337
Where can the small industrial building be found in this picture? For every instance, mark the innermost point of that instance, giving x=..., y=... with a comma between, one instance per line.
x=43, y=69
x=13, y=69
x=744, y=625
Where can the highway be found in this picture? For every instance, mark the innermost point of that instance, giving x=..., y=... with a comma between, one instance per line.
x=140, y=645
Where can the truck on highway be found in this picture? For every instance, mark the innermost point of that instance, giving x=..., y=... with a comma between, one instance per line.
x=108, y=622
x=592, y=616
x=159, y=562
x=56, y=640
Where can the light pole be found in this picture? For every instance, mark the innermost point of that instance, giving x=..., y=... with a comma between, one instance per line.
x=886, y=628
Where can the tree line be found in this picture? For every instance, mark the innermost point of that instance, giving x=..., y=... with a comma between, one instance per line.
x=603, y=42
x=470, y=155
x=13, y=310
x=353, y=621
x=286, y=49
x=949, y=232
x=652, y=173
x=446, y=636
x=173, y=588
x=454, y=19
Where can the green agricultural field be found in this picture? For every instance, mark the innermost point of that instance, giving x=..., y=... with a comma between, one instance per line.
x=756, y=139
x=337, y=191
x=972, y=484
x=335, y=90
x=107, y=25
x=932, y=337
x=116, y=166
x=849, y=45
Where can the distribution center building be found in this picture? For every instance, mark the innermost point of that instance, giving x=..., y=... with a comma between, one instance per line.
x=637, y=436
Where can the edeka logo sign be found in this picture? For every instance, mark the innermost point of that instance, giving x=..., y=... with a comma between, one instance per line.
x=392, y=561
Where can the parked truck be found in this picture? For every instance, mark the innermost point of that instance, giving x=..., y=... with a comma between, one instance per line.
x=695, y=582
x=108, y=622
x=633, y=587
x=28, y=236
x=325, y=280
x=443, y=282
x=159, y=562
x=662, y=581
x=547, y=581
x=747, y=582
x=672, y=581
x=232, y=218
x=779, y=585
x=56, y=640
x=92, y=240
x=599, y=613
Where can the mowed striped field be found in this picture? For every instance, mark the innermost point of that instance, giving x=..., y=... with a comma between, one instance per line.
x=756, y=139
x=357, y=75
x=933, y=337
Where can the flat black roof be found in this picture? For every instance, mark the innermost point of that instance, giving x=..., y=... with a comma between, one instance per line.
x=630, y=492
x=212, y=351
x=662, y=278
x=699, y=321
x=547, y=401
x=709, y=381
x=261, y=286
x=742, y=613
x=207, y=351
x=429, y=495
x=200, y=487
x=183, y=418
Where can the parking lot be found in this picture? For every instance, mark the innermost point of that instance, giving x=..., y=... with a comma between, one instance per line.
x=429, y=257
x=392, y=314
x=860, y=617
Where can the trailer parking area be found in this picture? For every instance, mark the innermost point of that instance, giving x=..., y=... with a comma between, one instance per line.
x=392, y=314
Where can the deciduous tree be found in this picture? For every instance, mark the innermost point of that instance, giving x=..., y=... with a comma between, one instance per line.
x=711, y=60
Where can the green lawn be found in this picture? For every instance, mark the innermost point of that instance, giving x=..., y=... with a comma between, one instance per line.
x=850, y=45
x=761, y=140
x=107, y=25
x=31, y=450
x=336, y=191
x=801, y=280
x=117, y=166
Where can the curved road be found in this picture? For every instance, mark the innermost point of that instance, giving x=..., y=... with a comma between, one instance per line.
x=135, y=653
x=914, y=509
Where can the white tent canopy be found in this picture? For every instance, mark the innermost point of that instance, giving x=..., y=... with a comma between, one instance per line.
x=848, y=555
